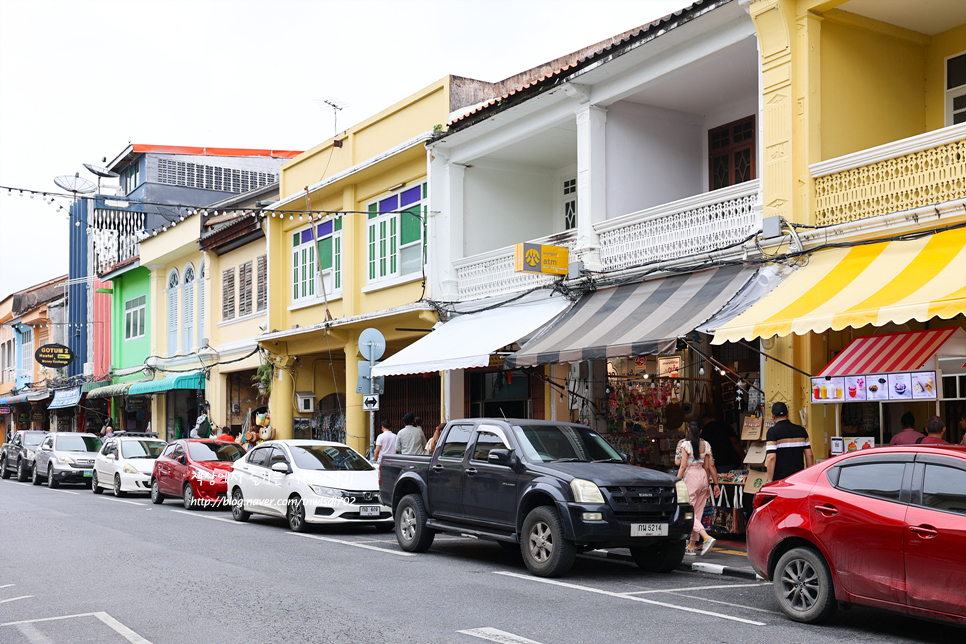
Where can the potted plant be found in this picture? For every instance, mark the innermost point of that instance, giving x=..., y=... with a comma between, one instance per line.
x=263, y=378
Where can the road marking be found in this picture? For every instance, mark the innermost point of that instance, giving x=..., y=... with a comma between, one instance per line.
x=730, y=552
x=121, y=629
x=675, y=590
x=496, y=635
x=65, y=492
x=351, y=543
x=8, y=586
x=31, y=633
x=13, y=599
x=111, y=498
x=628, y=597
x=201, y=516
x=46, y=619
x=718, y=601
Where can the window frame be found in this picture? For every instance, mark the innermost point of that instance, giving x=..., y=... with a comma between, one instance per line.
x=305, y=256
x=731, y=148
x=138, y=313
x=384, y=230
x=833, y=475
x=951, y=94
x=27, y=352
x=569, y=192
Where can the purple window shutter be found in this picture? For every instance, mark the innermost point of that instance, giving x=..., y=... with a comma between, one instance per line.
x=323, y=229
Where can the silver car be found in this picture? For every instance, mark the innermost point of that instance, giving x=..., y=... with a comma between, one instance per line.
x=65, y=457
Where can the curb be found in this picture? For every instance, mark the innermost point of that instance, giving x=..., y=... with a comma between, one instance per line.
x=697, y=566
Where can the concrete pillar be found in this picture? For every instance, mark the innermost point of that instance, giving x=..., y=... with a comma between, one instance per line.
x=448, y=226
x=356, y=420
x=454, y=398
x=591, y=182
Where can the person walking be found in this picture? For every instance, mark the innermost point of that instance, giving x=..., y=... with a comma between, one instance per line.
x=386, y=443
x=410, y=440
x=787, y=446
x=696, y=465
x=935, y=428
x=908, y=435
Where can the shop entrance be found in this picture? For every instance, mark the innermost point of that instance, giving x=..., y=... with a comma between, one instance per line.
x=499, y=394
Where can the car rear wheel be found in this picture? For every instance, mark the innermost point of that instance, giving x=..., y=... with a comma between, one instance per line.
x=118, y=492
x=661, y=557
x=35, y=477
x=188, y=498
x=22, y=471
x=238, y=512
x=296, y=515
x=51, y=481
x=4, y=472
x=156, y=497
x=545, y=550
x=411, y=531
x=803, y=586
x=95, y=488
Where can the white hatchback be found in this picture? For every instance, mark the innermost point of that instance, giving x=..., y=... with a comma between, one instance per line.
x=306, y=482
x=126, y=463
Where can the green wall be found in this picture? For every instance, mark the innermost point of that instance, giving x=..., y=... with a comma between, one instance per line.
x=130, y=353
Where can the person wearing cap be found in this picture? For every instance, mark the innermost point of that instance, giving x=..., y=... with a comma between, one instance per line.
x=410, y=439
x=787, y=447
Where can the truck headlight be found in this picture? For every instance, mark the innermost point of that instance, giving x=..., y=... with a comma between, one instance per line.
x=65, y=459
x=586, y=492
x=682, y=489
x=130, y=469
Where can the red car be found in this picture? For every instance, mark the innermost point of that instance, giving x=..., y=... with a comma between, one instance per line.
x=884, y=527
x=196, y=470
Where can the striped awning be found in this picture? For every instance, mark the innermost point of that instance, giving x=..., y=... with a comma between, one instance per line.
x=643, y=318
x=190, y=380
x=894, y=352
x=109, y=391
x=872, y=284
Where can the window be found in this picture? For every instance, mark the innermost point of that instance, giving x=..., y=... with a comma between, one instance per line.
x=187, y=332
x=174, y=281
x=956, y=89
x=245, y=285
x=486, y=441
x=261, y=283
x=132, y=177
x=456, y=440
x=944, y=488
x=134, y=318
x=228, y=294
x=731, y=153
x=260, y=456
x=570, y=203
x=395, y=234
x=882, y=480
x=201, y=303
x=27, y=353
x=305, y=278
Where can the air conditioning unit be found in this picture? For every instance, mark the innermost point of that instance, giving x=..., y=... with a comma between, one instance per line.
x=305, y=401
x=88, y=368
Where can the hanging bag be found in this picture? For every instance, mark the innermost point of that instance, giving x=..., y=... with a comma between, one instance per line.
x=723, y=516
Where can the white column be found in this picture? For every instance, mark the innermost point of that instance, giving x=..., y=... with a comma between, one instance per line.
x=446, y=224
x=454, y=399
x=591, y=183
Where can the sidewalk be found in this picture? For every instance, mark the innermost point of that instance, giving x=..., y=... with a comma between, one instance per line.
x=727, y=558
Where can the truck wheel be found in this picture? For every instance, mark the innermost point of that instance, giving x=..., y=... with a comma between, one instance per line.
x=4, y=472
x=803, y=586
x=21, y=471
x=95, y=488
x=35, y=477
x=51, y=481
x=545, y=550
x=661, y=557
x=411, y=531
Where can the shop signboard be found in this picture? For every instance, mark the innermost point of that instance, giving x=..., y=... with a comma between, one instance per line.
x=828, y=390
x=54, y=356
x=875, y=387
x=669, y=367
x=36, y=416
x=136, y=403
x=924, y=385
x=537, y=258
x=4, y=409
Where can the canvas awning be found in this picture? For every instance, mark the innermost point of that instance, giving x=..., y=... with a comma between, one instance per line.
x=33, y=396
x=468, y=340
x=643, y=318
x=64, y=398
x=190, y=380
x=873, y=284
x=109, y=391
x=894, y=352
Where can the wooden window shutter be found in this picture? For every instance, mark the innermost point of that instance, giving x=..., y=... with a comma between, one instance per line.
x=228, y=294
x=245, y=283
x=262, y=283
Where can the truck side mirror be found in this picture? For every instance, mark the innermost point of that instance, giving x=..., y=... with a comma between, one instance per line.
x=499, y=457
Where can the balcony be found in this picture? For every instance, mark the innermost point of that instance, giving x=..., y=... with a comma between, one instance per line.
x=697, y=224
x=918, y=171
x=115, y=237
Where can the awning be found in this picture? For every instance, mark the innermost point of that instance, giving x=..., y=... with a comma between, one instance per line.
x=65, y=398
x=191, y=380
x=892, y=352
x=109, y=391
x=643, y=318
x=91, y=386
x=468, y=340
x=868, y=284
x=34, y=396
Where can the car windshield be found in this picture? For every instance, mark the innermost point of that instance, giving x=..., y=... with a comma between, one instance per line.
x=563, y=443
x=328, y=457
x=215, y=451
x=77, y=444
x=142, y=449
x=33, y=439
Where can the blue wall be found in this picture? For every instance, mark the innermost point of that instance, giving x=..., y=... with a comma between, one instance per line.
x=77, y=293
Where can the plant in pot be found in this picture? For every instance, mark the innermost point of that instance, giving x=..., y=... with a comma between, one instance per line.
x=263, y=378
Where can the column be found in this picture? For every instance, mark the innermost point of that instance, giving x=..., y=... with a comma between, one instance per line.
x=353, y=253
x=356, y=420
x=281, y=404
x=454, y=392
x=446, y=228
x=591, y=183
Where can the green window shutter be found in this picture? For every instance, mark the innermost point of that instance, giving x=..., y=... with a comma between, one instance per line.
x=338, y=223
x=295, y=274
x=410, y=226
x=424, y=190
x=372, y=251
x=325, y=253
x=337, y=243
x=373, y=210
x=393, y=244
x=383, y=234
x=296, y=239
x=311, y=276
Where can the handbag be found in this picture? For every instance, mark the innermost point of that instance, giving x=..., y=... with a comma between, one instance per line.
x=723, y=520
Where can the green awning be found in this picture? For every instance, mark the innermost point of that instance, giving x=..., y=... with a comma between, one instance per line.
x=91, y=386
x=193, y=380
x=109, y=391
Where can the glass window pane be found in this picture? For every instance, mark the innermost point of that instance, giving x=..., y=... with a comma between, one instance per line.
x=338, y=223
x=325, y=253
x=373, y=210
x=410, y=259
x=956, y=72
x=390, y=204
x=456, y=440
x=882, y=480
x=944, y=488
x=959, y=102
x=143, y=326
x=411, y=226
x=323, y=229
x=410, y=196
x=296, y=239
x=307, y=236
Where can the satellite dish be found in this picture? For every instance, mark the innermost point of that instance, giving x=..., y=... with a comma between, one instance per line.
x=374, y=340
x=75, y=184
x=101, y=172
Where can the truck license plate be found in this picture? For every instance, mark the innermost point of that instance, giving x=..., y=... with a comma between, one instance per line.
x=369, y=511
x=87, y=473
x=648, y=529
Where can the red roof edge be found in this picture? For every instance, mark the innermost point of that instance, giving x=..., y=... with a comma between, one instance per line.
x=214, y=152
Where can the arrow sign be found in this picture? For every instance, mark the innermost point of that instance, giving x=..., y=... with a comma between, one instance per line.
x=370, y=402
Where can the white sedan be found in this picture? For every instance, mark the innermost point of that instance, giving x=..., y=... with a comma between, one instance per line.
x=307, y=482
x=126, y=463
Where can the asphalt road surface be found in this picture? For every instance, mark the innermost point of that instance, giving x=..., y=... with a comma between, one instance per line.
x=79, y=568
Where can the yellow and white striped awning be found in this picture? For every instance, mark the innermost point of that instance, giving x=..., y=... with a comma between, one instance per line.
x=869, y=284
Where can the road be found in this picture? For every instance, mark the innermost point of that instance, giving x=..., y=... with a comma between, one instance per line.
x=80, y=568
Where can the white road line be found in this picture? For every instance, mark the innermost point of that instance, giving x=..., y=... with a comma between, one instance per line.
x=66, y=492
x=202, y=516
x=351, y=543
x=31, y=633
x=46, y=619
x=675, y=590
x=13, y=599
x=111, y=498
x=718, y=601
x=8, y=586
x=120, y=628
x=628, y=597
x=496, y=635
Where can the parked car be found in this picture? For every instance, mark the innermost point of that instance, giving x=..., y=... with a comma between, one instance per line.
x=306, y=482
x=65, y=457
x=881, y=527
x=126, y=463
x=550, y=489
x=18, y=455
x=195, y=470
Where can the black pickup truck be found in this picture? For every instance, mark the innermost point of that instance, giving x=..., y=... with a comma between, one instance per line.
x=555, y=489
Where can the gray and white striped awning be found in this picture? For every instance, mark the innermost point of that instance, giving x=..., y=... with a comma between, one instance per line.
x=644, y=318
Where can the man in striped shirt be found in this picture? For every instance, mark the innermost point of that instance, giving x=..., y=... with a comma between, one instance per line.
x=787, y=446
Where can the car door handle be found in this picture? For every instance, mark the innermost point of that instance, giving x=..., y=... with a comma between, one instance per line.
x=470, y=470
x=827, y=510
x=437, y=468
x=924, y=531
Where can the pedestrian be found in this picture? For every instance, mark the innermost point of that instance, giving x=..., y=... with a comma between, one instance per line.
x=386, y=443
x=908, y=435
x=227, y=434
x=410, y=440
x=935, y=427
x=434, y=439
x=108, y=429
x=787, y=447
x=962, y=427
x=724, y=443
x=696, y=465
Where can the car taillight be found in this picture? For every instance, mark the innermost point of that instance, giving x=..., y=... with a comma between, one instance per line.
x=762, y=498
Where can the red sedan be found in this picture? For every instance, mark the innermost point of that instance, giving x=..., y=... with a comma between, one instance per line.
x=884, y=527
x=196, y=470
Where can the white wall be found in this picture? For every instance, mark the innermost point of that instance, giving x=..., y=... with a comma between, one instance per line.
x=653, y=157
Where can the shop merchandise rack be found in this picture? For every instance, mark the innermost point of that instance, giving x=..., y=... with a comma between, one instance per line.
x=637, y=420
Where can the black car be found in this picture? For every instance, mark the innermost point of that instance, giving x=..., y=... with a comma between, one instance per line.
x=18, y=455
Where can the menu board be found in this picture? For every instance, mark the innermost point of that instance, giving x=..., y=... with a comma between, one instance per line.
x=876, y=387
x=854, y=388
x=900, y=386
x=828, y=390
x=924, y=385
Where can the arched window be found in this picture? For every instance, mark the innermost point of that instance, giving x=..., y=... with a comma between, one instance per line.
x=187, y=328
x=201, y=303
x=174, y=281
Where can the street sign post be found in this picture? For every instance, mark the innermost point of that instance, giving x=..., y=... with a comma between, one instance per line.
x=372, y=344
x=370, y=402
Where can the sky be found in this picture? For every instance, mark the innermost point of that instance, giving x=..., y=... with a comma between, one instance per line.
x=80, y=79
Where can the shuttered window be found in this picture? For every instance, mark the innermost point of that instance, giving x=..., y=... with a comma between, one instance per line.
x=245, y=284
x=261, y=283
x=396, y=234
x=188, y=325
x=228, y=294
x=174, y=281
x=201, y=304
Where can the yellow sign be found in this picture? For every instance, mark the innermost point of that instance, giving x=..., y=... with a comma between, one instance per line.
x=536, y=258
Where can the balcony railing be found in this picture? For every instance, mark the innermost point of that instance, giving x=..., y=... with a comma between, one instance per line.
x=115, y=237
x=919, y=171
x=702, y=223
x=491, y=273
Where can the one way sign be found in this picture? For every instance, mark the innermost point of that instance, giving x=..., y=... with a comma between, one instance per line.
x=370, y=402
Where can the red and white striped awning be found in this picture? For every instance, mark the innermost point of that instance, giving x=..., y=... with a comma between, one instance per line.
x=895, y=352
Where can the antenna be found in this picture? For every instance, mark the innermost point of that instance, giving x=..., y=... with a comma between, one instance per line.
x=336, y=106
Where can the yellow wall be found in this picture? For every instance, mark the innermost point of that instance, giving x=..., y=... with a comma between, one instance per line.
x=233, y=331
x=945, y=44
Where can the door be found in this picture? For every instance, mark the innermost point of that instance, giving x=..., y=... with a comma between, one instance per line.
x=162, y=469
x=860, y=521
x=252, y=476
x=178, y=468
x=489, y=490
x=103, y=464
x=275, y=488
x=42, y=458
x=935, y=535
x=446, y=474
